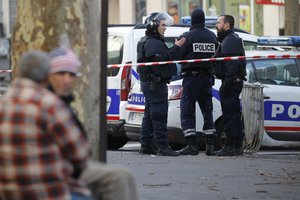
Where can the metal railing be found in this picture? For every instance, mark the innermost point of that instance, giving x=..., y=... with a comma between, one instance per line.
x=253, y=116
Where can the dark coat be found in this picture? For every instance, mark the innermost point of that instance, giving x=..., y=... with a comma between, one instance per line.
x=152, y=48
x=230, y=45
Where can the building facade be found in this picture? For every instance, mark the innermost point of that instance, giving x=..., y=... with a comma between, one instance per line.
x=259, y=17
x=8, y=10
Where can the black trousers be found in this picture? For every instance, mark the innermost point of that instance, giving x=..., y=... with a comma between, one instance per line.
x=231, y=109
x=154, y=125
x=196, y=89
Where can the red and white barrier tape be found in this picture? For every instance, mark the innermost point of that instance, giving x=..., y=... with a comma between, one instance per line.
x=206, y=60
x=5, y=71
x=195, y=60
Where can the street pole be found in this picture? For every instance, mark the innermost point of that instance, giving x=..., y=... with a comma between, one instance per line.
x=103, y=70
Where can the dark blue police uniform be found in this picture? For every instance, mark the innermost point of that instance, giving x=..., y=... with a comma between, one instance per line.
x=232, y=73
x=153, y=79
x=198, y=80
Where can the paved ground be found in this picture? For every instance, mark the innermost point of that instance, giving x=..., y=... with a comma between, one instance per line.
x=266, y=175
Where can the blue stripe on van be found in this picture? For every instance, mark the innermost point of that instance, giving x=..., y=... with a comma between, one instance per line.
x=114, y=95
x=282, y=111
x=135, y=74
x=216, y=94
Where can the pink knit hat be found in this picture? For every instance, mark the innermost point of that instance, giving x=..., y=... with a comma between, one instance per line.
x=64, y=60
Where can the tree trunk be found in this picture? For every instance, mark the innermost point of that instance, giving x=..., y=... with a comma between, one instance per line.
x=40, y=24
x=292, y=15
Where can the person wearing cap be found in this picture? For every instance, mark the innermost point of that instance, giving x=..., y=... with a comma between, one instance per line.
x=105, y=182
x=154, y=79
x=42, y=150
x=197, y=84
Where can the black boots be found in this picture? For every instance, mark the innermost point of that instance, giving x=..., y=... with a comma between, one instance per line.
x=161, y=150
x=210, y=149
x=227, y=150
x=231, y=148
x=189, y=150
x=166, y=151
x=148, y=150
x=239, y=147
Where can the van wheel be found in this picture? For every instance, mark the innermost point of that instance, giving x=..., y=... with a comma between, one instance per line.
x=220, y=139
x=114, y=143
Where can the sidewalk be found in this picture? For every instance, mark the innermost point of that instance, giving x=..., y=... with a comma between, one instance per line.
x=263, y=176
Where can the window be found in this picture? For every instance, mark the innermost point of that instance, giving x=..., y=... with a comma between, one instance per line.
x=115, y=45
x=249, y=46
x=277, y=71
x=250, y=73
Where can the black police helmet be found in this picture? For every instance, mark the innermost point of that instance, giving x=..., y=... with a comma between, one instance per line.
x=153, y=20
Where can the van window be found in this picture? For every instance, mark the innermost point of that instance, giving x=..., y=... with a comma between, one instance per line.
x=250, y=73
x=277, y=72
x=249, y=46
x=115, y=46
x=169, y=41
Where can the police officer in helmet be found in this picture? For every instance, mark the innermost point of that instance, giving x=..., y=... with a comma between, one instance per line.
x=197, y=84
x=151, y=48
x=232, y=73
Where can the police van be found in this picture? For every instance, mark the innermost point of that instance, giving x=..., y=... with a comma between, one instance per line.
x=122, y=44
x=121, y=49
x=281, y=80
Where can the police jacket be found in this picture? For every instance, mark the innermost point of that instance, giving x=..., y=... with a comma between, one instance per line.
x=200, y=43
x=152, y=48
x=230, y=45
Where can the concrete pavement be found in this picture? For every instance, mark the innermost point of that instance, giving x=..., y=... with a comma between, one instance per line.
x=266, y=175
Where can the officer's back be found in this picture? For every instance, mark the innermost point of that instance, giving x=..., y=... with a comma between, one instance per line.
x=200, y=42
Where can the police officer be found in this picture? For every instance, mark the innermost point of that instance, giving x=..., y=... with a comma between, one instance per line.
x=153, y=79
x=197, y=84
x=232, y=73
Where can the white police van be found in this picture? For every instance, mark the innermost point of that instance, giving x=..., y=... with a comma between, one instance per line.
x=122, y=43
x=281, y=80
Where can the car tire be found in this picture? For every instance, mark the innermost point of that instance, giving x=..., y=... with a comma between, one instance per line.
x=114, y=143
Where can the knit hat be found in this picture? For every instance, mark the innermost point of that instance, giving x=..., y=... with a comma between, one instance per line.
x=198, y=16
x=64, y=60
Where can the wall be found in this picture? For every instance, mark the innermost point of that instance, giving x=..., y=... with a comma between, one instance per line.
x=271, y=20
x=114, y=13
x=127, y=11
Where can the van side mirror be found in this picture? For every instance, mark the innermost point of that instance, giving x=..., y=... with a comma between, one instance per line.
x=4, y=47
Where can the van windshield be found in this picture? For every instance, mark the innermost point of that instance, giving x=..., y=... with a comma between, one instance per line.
x=115, y=46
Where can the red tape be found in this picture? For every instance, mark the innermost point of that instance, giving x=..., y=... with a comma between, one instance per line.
x=206, y=60
x=6, y=71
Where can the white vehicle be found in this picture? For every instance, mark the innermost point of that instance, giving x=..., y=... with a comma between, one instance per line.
x=281, y=80
x=122, y=45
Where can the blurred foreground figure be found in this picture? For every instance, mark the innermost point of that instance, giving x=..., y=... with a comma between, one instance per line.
x=106, y=182
x=42, y=151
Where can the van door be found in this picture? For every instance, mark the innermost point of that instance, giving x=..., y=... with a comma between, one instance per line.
x=281, y=79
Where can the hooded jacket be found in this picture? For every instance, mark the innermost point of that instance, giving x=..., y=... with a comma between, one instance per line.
x=200, y=43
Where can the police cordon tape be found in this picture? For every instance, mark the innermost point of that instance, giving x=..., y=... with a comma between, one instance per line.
x=5, y=71
x=204, y=60
x=194, y=60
